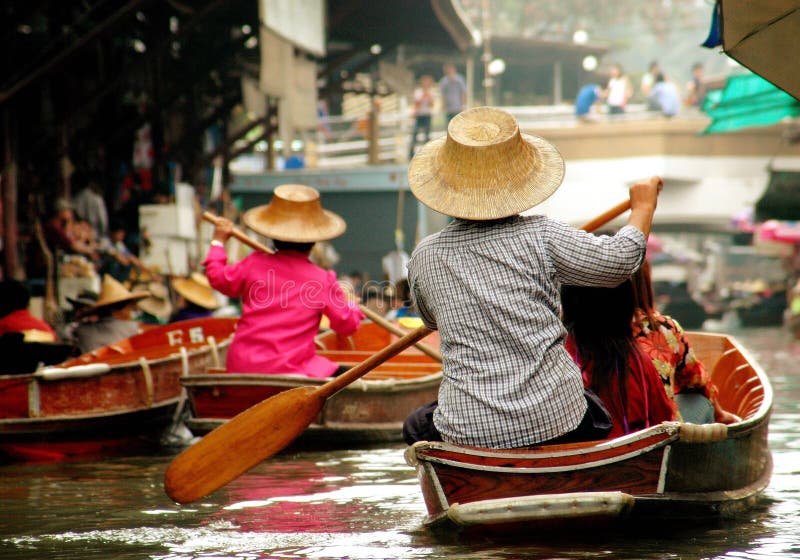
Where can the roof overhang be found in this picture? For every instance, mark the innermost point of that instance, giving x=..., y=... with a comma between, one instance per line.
x=529, y=51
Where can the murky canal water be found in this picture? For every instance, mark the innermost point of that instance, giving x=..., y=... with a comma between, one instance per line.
x=356, y=504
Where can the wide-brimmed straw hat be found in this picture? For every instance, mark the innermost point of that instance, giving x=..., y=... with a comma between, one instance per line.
x=112, y=293
x=196, y=290
x=295, y=214
x=485, y=168
x=158, y=303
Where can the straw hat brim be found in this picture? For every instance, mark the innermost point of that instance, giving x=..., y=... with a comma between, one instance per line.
x=157, y=304
x=132, y=297
x=156, y=307
x=519, y=190
x=295, y=229
x=195, y=293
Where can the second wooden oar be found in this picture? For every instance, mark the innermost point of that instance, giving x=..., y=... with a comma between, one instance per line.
x=394, y=329
x=261, y=431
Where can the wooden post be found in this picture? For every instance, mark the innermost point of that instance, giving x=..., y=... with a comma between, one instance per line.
x=8, y=181
x=270, y=123
x=373, y=154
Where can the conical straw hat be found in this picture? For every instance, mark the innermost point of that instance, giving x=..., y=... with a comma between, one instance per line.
x=485, y=168
x=112, y=293
x=295, y=214
x=198, y=292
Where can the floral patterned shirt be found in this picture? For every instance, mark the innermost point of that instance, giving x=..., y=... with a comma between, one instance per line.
x=667, y=345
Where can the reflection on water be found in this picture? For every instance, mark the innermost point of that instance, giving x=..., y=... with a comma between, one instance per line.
x=356, y=504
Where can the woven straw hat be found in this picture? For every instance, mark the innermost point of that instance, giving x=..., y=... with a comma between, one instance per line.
x=485, y=168
x=295, y=214
x=158, y=304
x=197, y=290
x=112, y=293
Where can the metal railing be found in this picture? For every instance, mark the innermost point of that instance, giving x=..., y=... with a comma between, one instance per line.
x=343, y=141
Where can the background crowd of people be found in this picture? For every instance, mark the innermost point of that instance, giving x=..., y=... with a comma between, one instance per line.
x=658, y=91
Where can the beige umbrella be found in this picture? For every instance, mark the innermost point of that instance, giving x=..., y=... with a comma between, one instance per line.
x=763, y=35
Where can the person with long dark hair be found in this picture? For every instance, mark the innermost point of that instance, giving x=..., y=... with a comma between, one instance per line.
x=600, y=340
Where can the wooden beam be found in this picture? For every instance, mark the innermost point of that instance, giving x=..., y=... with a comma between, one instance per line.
x=59, y=59
x=228, y=143
x=8, y=182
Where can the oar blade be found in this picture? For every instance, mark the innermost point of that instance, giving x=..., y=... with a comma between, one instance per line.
x=241, y=443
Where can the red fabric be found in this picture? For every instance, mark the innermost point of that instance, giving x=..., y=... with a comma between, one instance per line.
x=21, y=321
x=648, y=403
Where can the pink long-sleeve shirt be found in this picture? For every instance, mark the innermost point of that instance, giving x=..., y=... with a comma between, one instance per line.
x=283, y=298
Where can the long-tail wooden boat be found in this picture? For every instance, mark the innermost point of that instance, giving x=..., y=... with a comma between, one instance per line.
x=109, y=399
x=669, y=472
x=368, y=411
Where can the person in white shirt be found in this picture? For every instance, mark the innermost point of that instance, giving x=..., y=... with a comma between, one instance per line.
x=618, y=91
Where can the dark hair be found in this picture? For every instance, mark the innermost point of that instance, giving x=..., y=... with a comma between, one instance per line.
x=14, y=296
x=600, y=323
x=404, y=291
x=643, y=297
x=116, y=224
x=291, y=246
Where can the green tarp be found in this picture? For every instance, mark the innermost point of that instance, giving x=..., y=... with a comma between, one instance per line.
x=747, y=100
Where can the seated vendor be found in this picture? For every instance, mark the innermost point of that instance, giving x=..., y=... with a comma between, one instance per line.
x=108, y=320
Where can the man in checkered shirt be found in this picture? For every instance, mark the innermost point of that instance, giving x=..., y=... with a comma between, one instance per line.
x=489, y=282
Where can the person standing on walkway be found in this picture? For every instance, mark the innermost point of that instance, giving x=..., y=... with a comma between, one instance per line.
x=454, y=91
x=696, y=88
x=618, y=91
x=423, y=110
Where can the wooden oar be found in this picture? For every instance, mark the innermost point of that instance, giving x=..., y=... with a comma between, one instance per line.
x=607, y=216
x=240, y=235
x=394, y=329
x=261, y=431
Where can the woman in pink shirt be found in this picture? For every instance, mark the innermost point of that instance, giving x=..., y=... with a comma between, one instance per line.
x=284, y=295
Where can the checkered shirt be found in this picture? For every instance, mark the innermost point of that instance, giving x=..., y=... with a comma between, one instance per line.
x=492, y=290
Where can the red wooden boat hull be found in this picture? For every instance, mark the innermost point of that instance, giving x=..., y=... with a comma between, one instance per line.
x=112, y=398
x=368, y=411
x=672, y=471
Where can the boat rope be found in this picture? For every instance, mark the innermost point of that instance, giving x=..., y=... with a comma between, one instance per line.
x=703, y=433
x=184, y=362
x=176, y=416
x=214, y=351
x=148, y=380
x=34, y=398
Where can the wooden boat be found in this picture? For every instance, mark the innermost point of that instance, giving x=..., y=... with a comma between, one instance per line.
x=110, y=398
x=370, y=410
x=670, y=472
